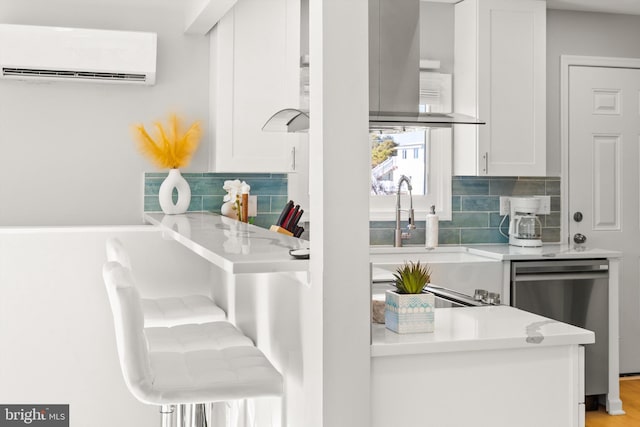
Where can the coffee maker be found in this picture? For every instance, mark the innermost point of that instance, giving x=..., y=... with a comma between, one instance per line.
x=525, y=228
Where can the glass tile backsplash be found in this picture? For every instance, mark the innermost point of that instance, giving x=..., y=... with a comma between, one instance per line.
x=475, y=204
x=207, y=192
x=475, y=212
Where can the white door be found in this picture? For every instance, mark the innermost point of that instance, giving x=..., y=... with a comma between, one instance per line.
x=604, y=136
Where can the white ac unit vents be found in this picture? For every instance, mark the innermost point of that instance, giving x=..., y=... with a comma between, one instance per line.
x=53, y=53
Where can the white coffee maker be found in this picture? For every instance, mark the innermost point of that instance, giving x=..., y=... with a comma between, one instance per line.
x=525, y=228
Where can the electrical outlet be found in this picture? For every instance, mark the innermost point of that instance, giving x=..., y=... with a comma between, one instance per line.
x=545, y=205
x=504, y=205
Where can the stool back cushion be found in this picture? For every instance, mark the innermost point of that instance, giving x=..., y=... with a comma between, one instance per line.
x=116, y=252
x=128, y=322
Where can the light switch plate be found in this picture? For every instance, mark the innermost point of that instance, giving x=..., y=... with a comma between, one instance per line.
x=504, y=205
x=253, y=206
x=545, y=205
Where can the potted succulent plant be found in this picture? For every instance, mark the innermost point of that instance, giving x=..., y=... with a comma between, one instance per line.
x=407, y=308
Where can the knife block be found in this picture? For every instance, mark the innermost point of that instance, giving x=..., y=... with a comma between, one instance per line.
x=280, y=230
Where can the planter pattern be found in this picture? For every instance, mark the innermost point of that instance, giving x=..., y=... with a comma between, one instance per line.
x=409, y=313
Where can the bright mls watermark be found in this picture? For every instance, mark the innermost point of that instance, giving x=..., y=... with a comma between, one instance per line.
x=34, y=415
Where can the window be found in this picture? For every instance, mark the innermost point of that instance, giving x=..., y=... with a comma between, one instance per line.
x=428, y=168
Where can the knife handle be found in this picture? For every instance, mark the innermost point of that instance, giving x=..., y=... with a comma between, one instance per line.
x=292, y=214
x=294, y=222
x=285, y=212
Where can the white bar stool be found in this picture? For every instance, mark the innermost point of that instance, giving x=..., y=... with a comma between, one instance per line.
x=170, y=311
x=194, y=374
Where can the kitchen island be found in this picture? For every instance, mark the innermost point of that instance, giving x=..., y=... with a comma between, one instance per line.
x=493, y=365
x=384, y=258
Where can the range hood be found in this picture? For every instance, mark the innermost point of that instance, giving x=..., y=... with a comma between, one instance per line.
x=394, y=70
x=394, y=76
x=392, y=121
x=287, y=120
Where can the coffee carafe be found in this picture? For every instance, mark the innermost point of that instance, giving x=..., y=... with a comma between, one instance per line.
x=525, y=228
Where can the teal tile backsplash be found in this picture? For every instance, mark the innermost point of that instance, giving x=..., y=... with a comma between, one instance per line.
x=475, y=205
x=207, y=192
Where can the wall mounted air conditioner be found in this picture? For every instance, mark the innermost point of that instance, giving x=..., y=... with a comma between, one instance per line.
x=52, y=53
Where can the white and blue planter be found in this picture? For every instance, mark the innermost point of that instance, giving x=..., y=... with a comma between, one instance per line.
x=409, y=313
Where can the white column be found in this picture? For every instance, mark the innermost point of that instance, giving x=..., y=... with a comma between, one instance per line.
x=338, y=380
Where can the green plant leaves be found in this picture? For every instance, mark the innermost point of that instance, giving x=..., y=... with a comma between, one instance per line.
x=411, y=278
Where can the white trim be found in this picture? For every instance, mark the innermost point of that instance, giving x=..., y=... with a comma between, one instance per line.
x=613, y=402
x=383, y=208
x=567, y=61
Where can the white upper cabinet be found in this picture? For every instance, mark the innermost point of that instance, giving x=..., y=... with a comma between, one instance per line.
x=500, y=77
x=255, y=72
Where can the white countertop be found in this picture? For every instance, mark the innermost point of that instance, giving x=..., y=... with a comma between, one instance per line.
x=479, y=328
x=484, y=253
x=231, y=245
x=381, y=255
x=507, y=252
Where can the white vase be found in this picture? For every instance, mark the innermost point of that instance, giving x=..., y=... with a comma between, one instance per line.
x=165, y=196
x=409, y=313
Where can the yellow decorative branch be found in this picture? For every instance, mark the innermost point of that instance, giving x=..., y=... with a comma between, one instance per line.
x=172, y=150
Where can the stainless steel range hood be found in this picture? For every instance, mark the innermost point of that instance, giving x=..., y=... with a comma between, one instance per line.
x=386, y=120
x=394, y=70
x=394, y=76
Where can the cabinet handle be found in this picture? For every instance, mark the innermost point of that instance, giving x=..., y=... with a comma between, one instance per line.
x=293, y=158
x=486, y=162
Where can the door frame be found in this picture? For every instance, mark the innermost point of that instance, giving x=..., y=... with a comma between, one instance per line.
x=567, y=61
x=614, y=404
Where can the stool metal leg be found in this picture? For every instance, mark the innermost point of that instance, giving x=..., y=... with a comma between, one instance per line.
x=219, y=414
x=168, y=416
x=181, y=415
x=199, y=415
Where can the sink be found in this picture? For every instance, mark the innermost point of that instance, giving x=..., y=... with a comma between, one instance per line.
x=451, y=267
x=395, y=256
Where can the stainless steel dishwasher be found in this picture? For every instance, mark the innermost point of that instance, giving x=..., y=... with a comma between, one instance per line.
x=573, y=291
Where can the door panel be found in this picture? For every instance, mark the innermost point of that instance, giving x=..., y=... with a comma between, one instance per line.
x=604, y=136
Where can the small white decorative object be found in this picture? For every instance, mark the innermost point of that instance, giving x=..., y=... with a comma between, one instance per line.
x=228, y=210
x=232, y=200
x=165, y=195
x=409, y=313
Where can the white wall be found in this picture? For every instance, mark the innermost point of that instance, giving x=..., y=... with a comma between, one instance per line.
x=56, y=327
x=581, y=33
x=67, y=148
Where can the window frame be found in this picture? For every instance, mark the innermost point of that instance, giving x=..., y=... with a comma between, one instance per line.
x=439, y=174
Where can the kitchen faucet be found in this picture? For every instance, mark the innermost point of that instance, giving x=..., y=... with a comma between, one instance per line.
x=399, y=235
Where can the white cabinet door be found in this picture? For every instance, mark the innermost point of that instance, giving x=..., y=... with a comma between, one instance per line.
x=255, y=51
x=500, y=77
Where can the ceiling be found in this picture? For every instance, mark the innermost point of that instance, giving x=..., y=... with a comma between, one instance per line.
x=630, y=7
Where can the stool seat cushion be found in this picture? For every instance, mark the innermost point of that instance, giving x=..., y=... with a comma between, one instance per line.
x=171, y=311
x=165, y=312
x=204, y=336
x=211, y=376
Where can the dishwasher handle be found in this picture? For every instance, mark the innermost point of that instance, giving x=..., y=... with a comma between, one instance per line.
x=544, y=277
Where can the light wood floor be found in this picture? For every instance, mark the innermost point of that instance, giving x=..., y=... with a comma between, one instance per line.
x=630, y=395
